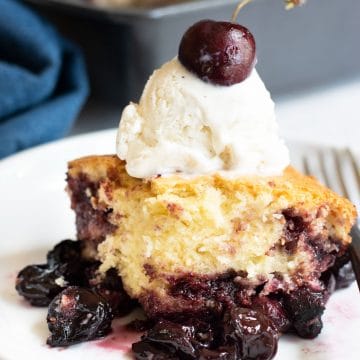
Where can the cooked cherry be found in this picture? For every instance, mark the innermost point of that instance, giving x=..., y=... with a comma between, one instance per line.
x=173, y=335
x=147, y=350
x=274, y=310
x=252, y=332
x=64, y=252
x=204, y=332
x=305, y=308
x=111, y=288
x=166, y=337
x=39, y=284
x=77, y=315
x=223, y=353
x=67, y=255
x=222, y=53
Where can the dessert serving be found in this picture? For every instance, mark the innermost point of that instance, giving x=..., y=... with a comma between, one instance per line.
x=199, y=218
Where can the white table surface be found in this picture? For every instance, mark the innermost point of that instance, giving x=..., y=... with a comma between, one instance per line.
x=328, y=116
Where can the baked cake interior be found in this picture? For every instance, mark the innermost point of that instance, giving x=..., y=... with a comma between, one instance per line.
x=176, y=241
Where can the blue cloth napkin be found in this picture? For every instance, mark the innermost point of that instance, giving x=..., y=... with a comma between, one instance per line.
x=43, y=82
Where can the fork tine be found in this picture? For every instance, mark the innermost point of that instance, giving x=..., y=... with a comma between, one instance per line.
x=355, y=252
x=313, y=167
x=306, y=165
x=339, y=173
x=323, y=170
x=355, y=166
x=338, y=169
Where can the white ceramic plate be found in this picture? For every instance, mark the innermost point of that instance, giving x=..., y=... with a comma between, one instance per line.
x=35, y=214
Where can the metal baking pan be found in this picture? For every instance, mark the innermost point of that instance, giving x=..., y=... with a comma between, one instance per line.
x=130, y=13
x=309, y=46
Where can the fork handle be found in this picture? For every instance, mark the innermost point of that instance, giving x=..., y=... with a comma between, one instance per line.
x=355, y=251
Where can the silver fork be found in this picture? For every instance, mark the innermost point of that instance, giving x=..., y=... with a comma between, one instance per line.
x=339, y=170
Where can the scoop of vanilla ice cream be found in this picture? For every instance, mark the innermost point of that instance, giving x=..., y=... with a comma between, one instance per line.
x=183, y=124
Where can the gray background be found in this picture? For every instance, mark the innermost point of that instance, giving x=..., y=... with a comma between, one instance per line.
x=312, y=46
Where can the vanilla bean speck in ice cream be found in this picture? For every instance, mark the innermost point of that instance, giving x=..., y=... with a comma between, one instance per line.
x=185, y=125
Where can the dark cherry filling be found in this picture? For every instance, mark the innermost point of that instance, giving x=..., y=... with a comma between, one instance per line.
x=110, y=288
x=91, y=224
x=298, y=233
x=238, y=332
x=218, y=291
x=296, y=230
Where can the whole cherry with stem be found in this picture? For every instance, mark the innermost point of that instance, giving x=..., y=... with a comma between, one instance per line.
x=219, y=52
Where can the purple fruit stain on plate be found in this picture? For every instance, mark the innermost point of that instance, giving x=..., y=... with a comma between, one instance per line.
x=120, y=339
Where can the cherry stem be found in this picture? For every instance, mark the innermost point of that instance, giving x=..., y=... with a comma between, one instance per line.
x=238, y=8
